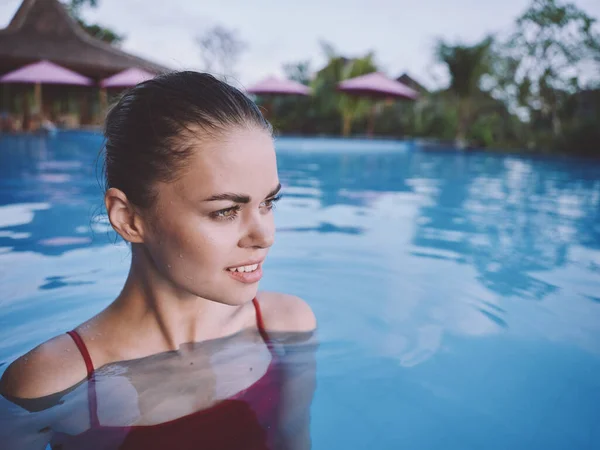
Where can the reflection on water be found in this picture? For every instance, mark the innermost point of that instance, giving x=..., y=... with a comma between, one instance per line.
x=457, y=294
x=51, y=189
x=233, y=392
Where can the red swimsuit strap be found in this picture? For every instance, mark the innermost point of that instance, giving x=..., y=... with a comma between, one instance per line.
x=92, y=402
x=84, y=352
x=259, y=322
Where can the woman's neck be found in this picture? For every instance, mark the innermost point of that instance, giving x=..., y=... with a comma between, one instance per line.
x=163, y=316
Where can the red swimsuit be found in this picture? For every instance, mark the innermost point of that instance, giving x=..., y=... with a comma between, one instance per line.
x=245, y=421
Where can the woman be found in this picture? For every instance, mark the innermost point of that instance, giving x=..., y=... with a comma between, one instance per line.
x=186, y=356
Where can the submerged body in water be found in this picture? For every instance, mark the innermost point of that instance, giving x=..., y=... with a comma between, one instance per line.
x=251, y=390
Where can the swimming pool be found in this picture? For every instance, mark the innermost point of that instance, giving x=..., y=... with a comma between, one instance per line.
x=458, y=295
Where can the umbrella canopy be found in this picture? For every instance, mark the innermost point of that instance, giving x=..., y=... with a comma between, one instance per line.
x=127, y=78
x=45, y=72
x=277, y=86
x=377, y=84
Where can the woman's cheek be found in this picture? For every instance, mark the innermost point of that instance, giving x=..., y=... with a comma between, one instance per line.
x=207, y=241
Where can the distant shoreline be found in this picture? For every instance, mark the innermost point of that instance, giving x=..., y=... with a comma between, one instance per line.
x=426, y=146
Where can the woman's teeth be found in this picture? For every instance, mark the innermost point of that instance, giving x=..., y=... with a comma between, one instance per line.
x=250, y=268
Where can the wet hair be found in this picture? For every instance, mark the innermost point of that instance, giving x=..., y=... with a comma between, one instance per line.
x=153, y=130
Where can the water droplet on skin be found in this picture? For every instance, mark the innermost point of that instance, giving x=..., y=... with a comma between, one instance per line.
x=68, y=349
x=180, y=255
x=92, y=338
x=169, y=266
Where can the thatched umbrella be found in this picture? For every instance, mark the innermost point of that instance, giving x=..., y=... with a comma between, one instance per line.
x=44, y=72
x=277, y=86
x=378, y=86
x=124, y=79
x=274, y=87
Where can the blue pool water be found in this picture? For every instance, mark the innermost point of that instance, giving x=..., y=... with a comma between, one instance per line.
x=458, y=295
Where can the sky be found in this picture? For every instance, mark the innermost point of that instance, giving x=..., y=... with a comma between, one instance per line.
x=401, y=33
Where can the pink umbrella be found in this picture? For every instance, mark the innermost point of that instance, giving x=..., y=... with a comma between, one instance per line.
x=277, y=86
x=377, y=84
x=45, y=72
x=127, y=78
x=273, y=86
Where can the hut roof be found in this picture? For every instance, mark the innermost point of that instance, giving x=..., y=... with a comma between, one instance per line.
x=412, y=83
x=43, y=29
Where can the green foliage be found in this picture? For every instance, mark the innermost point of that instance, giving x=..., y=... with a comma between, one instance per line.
x=581, y=139
x=100, y=32
x=525, y=91
x=75, y=6
x=466, y=66
x=293, y=114
x=553, y=43
x=299, y=72
x=351, y=107
x=438, y=117
x=108, y=35
x=336, y=106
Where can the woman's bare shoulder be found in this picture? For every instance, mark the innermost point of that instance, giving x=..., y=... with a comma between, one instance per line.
x=286, y=313
x=51, y=367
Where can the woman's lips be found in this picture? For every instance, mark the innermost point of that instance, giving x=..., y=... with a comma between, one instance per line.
x=247, y=277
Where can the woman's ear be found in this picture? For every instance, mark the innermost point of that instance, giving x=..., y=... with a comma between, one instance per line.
x=123, y=216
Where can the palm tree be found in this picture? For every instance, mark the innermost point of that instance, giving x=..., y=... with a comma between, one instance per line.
x=466, y=65
x=350, y=107
x=339, y=68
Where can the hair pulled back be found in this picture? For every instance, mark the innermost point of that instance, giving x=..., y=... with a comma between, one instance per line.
x=154, y=128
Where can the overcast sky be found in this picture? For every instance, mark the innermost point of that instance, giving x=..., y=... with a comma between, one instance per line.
x=402, y=33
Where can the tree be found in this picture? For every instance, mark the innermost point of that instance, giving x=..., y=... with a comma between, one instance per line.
x=331, y=102
x=108, y=35
x=551, y=48
x=75, y=6
x=299, y=71
x=351, y=107
x=466, y=66
x=220, y=50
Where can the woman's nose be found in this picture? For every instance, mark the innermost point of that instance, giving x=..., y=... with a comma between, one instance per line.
x=260, y=232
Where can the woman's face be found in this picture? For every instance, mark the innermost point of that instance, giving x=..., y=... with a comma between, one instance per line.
x=210, y=230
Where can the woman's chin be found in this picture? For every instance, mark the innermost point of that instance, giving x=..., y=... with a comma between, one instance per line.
x=236, y=297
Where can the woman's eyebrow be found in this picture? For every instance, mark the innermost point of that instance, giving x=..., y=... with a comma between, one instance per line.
x=275, y=191
x=239, y=198
x=236, y=198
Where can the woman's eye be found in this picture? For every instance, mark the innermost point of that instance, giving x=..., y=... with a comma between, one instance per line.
x=228, y=214
x=270, y=203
